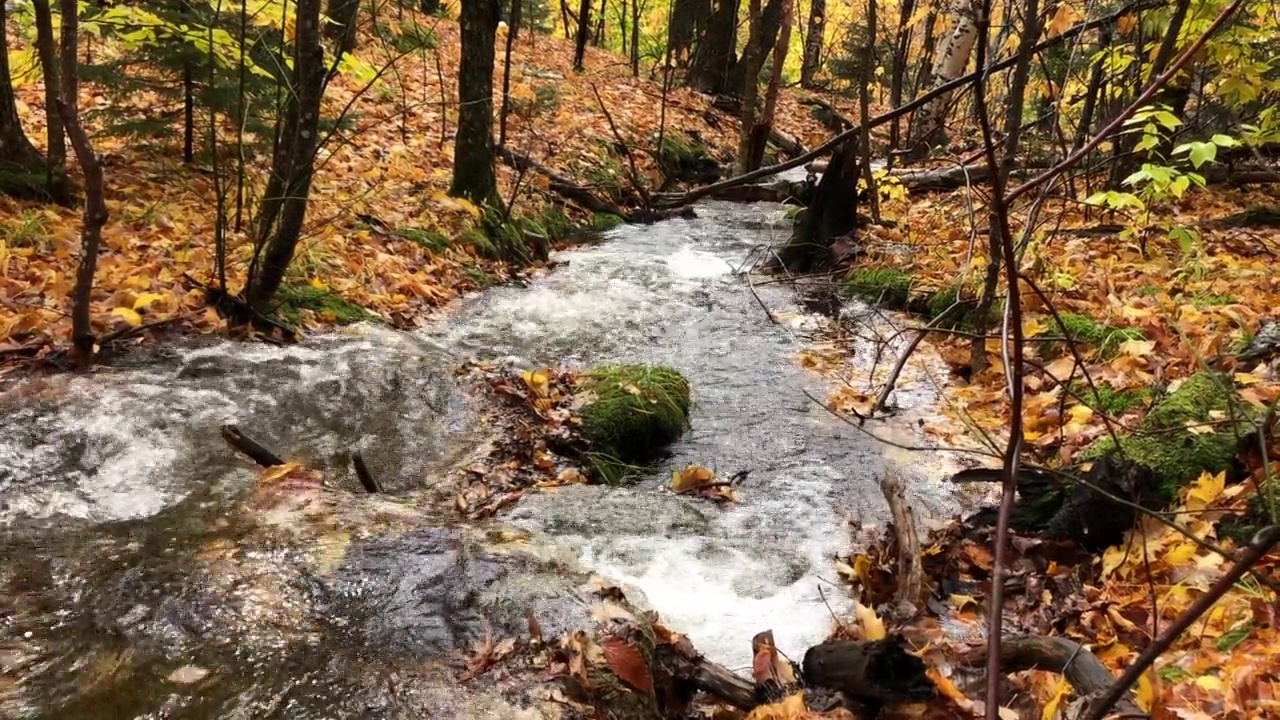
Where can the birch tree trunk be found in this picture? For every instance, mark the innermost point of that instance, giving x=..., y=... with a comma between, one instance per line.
x=930, y=126
x=812, y=59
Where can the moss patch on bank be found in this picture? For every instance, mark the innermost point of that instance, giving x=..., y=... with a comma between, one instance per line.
x=328, y=306
x=631, y=414
x=1196, y=428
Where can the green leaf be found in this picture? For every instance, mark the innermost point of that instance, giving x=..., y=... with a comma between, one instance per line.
x=1167, y=119
x=1202, y=153
x=1179, y=185
x=1224, y=140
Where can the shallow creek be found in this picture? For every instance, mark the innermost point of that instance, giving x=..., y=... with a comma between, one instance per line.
x=142, y=577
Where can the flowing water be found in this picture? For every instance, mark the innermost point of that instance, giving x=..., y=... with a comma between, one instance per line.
x=142, y=574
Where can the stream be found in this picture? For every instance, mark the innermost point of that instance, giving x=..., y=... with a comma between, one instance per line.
x=145, y=578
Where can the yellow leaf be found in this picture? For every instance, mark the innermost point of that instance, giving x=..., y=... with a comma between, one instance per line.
x=146, y=299
x=276, y=472
x=692, y=476
x=1243, y=378
x=960, y=602
x=130, y=316
x=872, y=625
x=1145, y=695
x=1209, y=682
x=1205, y=490
x=1137, y=348
x=318, y=284
x=792, y=708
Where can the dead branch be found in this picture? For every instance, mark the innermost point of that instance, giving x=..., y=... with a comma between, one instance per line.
x=910, y=574
x=1068, y=658
x=249, y=447
x=370, y=483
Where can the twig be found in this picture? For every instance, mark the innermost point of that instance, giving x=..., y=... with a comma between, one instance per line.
x=371, y=484
x=910, y=574
x=249, y=447
x=1262, y=543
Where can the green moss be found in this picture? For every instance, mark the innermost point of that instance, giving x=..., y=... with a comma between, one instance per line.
x=1176, y=455
x=293, y=299
x=429, y=239
x=1080, y=328
x=1108, y=400
x=605, y=221
x=634, y=411
x=886, y=286
x=1215, y=299
x=557, y=224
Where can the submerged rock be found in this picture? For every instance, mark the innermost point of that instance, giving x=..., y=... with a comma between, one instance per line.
x=633, y=413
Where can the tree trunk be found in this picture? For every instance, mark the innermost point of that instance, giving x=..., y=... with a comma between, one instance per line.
x=864, y=110
x=1016, y=98
x=714, y=58
x=584, y=30
x=284, y=203
x=902, y=45
x=686, y=17
x=764, y=128
x=345, y=15
x=473, y=159
x=506, y=70
x=58, y=184
x=635, y=38
x=832, y=214
x=95, y=205
x=752, y=60
x=23, y=171
x=929, y=130
x=812, y=59
x=597, y=37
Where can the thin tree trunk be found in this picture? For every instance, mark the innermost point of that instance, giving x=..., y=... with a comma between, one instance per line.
x=1016, y=98
x=760, y=133
x=474, y=177
x=1096, y=78
x=864, y=110
x=597, y=37
x=293, y=167
x=635, y=38
x=95, y=205
x=57, y=182
x=584, y=29
x=752, y=59
x=812, y=59
x=901, y=46
x=345, y=16
x=931, y=120
x=506, y=71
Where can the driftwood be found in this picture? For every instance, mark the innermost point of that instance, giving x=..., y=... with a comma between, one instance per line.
x=249, y=447
x=1068, y=658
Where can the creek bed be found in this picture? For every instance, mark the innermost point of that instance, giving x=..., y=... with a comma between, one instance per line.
x=137, y=554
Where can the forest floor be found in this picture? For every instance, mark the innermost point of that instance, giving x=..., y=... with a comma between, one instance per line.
x=394, y=165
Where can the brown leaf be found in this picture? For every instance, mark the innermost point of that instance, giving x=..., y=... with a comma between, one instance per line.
x=627, y=662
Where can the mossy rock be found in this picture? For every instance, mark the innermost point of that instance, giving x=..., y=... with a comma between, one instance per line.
x=634, y=412
x=1164, y=443
x=292, y=299
x=882, y=285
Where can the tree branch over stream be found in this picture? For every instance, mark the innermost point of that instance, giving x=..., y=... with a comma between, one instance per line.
x=826, y=147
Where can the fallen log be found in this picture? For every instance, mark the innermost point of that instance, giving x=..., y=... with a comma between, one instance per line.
x=572, y=191
x=1068, y=658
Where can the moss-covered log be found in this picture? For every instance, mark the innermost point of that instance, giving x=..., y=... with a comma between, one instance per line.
x=634, y=412
x=1198, y=427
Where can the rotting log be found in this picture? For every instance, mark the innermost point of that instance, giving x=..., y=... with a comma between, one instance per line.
x=1068, y=658
x=1198, y=427
x=875, y=672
